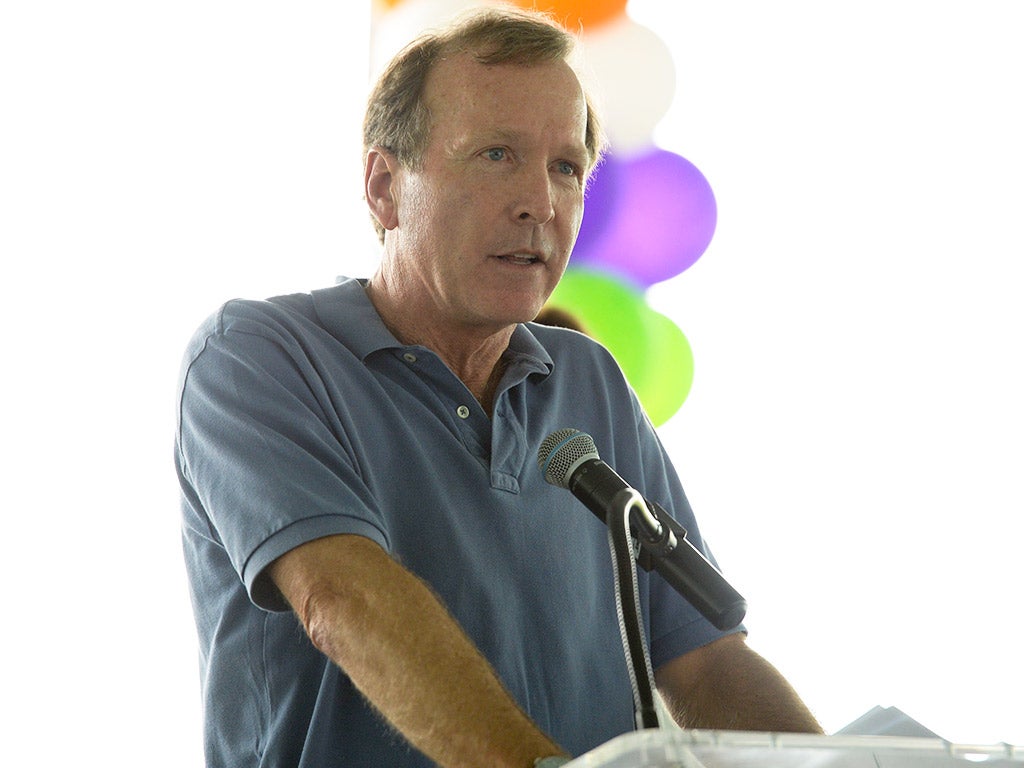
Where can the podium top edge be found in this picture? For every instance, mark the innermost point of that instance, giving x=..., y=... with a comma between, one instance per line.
x=673, y=746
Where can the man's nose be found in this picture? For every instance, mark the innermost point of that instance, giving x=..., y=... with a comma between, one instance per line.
x=534, y=201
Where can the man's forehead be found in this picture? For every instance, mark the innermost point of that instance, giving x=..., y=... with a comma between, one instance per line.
x=462, y=71
x=500, y=95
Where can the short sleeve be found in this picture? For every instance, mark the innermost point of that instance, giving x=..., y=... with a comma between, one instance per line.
x=264, y=458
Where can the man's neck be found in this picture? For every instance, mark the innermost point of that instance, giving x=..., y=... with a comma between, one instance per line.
x=474, y=354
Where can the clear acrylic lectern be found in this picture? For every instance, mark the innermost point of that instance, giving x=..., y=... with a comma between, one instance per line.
x=674, y=748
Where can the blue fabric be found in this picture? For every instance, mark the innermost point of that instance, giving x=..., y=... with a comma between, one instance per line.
x=301, y=417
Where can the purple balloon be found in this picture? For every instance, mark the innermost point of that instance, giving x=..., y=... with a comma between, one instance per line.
x=602, y=193
x=655, y=223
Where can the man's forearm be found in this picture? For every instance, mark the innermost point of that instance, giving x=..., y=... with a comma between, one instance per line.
x=734, y=689
x=412, y=661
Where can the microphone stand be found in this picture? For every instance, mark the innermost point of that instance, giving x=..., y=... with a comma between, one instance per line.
x=661, y=545
x=628, y=506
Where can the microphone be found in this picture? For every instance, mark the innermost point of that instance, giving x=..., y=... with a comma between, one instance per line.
x=569, y=459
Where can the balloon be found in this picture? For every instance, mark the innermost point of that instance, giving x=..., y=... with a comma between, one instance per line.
x=599, y=204
x=662, y=220
x=632, y=73
x=610, y=311
x=573, y=14
x=669, y=372
x=653, y=353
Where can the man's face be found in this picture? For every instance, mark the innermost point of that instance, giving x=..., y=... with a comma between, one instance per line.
x=486, y=226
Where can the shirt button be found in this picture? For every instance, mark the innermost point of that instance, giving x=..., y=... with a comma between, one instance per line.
x=409, y=357
x=463, y=412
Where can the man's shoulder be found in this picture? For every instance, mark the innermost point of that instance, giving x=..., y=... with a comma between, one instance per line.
x=571, y=346
x=292, y=313
x=283, y=320
x=237, y=314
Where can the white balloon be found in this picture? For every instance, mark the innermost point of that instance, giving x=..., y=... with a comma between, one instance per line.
x=632, y=73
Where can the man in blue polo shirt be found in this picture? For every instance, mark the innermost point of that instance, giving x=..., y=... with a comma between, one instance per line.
x=380, y=575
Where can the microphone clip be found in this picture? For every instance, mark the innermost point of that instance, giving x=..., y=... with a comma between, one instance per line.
x=655, y=530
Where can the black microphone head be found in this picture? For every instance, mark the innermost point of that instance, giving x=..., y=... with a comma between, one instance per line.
x=562, y=452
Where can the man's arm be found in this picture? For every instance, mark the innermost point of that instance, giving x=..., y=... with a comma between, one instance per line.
x=407, y=655
x=726, y=685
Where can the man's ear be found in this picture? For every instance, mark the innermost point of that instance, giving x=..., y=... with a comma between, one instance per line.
x=379, y=185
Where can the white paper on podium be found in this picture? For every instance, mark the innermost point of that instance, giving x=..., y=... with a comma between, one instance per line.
x=673, y=748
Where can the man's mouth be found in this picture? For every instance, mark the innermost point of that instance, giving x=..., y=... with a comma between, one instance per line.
x=519, y=258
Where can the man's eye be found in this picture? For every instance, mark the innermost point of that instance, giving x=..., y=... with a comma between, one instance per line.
x=569, y=169
x=496, y=153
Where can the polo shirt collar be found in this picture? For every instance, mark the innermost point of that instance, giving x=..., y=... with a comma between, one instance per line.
x=348, y=314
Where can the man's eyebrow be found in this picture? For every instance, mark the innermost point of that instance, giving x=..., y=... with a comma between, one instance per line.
x=480, y=138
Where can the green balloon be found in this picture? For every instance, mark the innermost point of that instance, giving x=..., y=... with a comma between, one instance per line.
x=651, y=350
x=610, y=311
x=670, y=375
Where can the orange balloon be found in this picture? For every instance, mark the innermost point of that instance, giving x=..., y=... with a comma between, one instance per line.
x=573, y=14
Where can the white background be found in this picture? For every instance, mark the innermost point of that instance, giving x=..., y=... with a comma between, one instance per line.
x=852, y=442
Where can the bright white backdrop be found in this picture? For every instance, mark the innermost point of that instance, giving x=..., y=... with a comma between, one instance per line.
x=852, y=442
